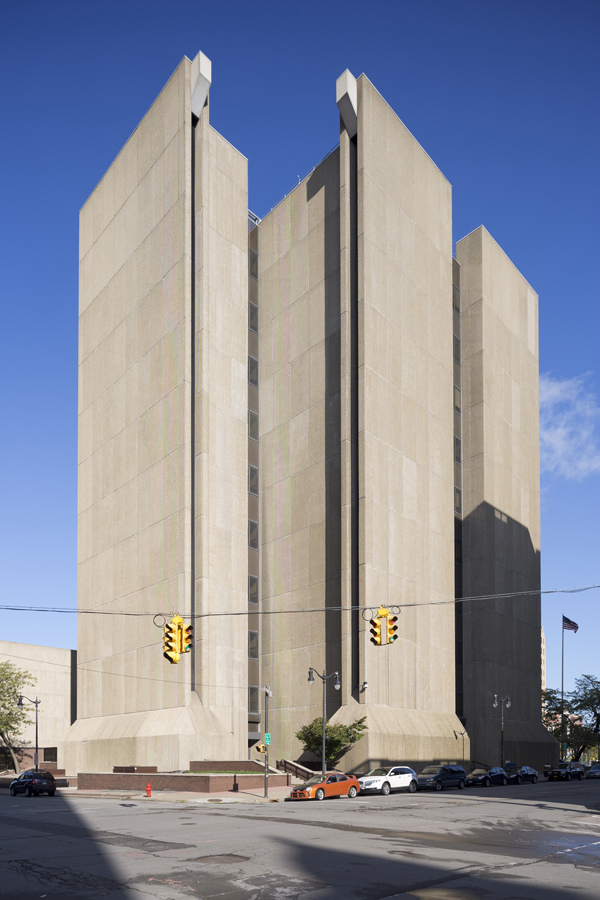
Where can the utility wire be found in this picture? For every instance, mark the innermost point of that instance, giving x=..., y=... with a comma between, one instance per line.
x=282, y=612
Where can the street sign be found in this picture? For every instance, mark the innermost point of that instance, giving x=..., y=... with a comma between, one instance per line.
x=267, y=739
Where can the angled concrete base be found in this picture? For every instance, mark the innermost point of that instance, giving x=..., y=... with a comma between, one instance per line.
x=407, y=736
x=166, y=738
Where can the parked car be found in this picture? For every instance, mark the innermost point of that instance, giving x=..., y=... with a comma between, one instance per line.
x=438, y=777
x=332, y=784
x=517, y=775
x=565, y=771
x=593, y=771
x=485, y=777
x=386, y=779
x=33, y=783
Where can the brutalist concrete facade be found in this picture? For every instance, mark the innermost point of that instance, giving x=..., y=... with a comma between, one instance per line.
x=268, y=446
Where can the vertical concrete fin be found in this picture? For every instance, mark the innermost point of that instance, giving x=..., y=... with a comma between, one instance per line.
x=201, y=81
x=346, y=98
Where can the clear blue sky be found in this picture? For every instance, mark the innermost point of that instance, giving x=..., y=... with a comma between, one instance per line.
x=503, y=95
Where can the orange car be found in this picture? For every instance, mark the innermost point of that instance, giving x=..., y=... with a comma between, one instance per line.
x=332, y=784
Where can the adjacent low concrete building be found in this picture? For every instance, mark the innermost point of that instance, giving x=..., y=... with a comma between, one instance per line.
x=287, y=423
x=53, y=672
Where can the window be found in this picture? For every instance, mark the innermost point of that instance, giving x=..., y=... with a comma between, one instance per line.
x=253, y=535
x=253, y=480
x=456, y=398
x=456, y=298
x=457, y=500
x=252, y=425
x=252, y=589
x=253, y=699
x=253, y=645
x=456, y=349
x=253, y=317
x=457, y=456
x=253, y=371
x=253, y=264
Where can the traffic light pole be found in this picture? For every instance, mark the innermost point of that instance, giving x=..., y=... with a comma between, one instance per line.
x=268, y=693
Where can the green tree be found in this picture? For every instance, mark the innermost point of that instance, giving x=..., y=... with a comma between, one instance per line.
x=12, y=719
x=338, y=738
x=574, y=722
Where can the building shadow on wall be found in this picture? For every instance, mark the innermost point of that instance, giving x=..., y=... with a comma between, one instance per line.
x=500, y=650
x=326, y=179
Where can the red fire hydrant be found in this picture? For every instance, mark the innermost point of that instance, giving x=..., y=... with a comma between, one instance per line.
x=148, y=790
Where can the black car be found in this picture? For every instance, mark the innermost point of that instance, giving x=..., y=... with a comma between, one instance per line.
x=519, y=775
x=33, y=783
x=565, y=771
x=438, y=777
x=485, y=777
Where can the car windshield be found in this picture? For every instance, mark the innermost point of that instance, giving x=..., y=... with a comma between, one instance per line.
x=564, y=765
x=379, y=772
x=479, y=772
x=316, y=779
x=430, y=770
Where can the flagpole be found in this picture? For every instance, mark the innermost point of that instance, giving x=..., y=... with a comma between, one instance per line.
x=562, y=690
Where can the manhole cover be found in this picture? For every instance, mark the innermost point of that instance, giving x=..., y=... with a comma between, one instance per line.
x=223, y=858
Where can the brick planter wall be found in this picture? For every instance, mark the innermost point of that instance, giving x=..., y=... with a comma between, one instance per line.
x=203, y=784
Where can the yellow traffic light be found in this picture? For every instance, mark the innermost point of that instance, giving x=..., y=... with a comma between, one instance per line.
x=391, y=629
x=261, y=748
x=171, y=640
x=375, y=631
x=187, y=638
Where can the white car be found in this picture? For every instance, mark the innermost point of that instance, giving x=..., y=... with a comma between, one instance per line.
x=390, y=778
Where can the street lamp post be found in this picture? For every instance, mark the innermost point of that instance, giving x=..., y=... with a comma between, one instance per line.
x=504, y=701
x=337, y=685
x=37, y=703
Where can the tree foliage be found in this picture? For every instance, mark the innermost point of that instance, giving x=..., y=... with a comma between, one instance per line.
x=338, y=738
x=12, y=719
x=576, y=721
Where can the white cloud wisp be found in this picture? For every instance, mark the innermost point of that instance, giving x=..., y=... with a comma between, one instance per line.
x=569, y=428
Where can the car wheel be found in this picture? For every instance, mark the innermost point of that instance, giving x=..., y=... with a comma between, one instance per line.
x=534, y=779
x=461, y=784
x=580, y=776
x=504, y=781
x=28, y=792
x=385, y=788
x=352, y=792
x=518, y=779
x=51, y=793
x=486, y=782
x=568, y=776
x=320, y=794
x=412, y=787
x=438, y=785
x=13, y=793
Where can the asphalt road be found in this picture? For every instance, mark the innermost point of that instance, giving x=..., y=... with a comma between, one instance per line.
x=526, y=842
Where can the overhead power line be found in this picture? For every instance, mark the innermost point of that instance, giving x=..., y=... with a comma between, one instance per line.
x=298, y=610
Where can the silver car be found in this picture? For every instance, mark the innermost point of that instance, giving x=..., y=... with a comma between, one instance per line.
x=386, y=779
x=593, y=771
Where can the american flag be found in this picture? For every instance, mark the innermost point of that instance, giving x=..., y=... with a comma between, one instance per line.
x=569, y=625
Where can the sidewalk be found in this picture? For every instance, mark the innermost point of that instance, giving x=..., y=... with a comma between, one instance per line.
x=256, y=795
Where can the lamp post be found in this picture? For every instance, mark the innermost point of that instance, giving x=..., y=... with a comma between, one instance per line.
x=337, y=685
x=37, y=703
x=504, y=701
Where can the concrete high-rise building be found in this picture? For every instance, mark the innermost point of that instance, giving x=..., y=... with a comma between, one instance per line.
x=287, y=423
